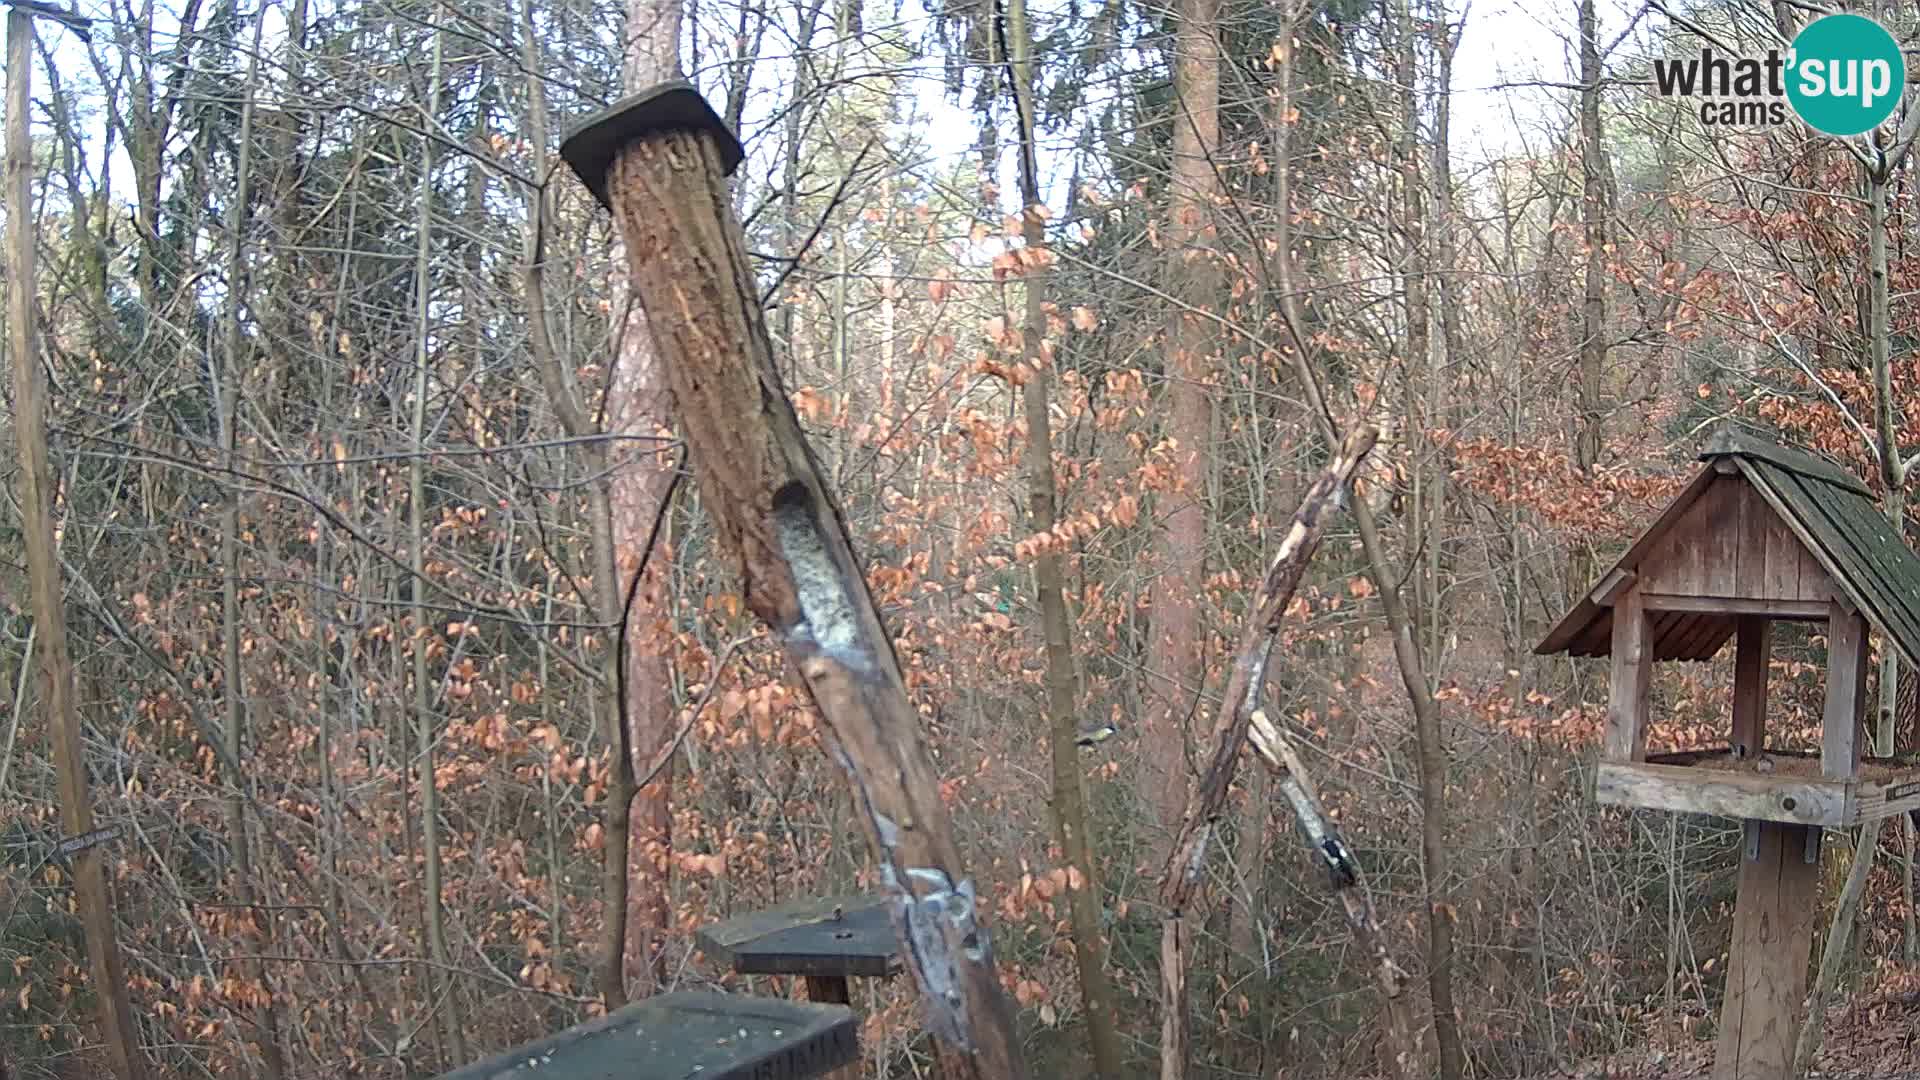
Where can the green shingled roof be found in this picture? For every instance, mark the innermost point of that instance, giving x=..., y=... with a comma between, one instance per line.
x=1834, y=515
x=1849, y=533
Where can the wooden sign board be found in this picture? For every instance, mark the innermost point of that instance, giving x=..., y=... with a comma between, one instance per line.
x=689, y=1034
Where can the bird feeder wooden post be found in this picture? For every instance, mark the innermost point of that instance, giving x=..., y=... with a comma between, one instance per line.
x=1763, y=534
x=826, y=942
x=659, y=160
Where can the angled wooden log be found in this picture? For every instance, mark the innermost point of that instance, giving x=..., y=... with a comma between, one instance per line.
x=1181, y=878
x=1276, y=750
x=659, y=160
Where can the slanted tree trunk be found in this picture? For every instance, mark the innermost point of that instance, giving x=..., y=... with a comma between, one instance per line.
x=781, y=528
x=1390, y=980
x=118, y=1027
x=1246, y=681
x=1175, y=667
x=1431, y=757
x=1069, y=780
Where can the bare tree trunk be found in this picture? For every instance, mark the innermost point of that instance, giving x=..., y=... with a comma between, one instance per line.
x=1893, y=477
x=446, y=1003
x=1175, y=666
x=118, y=1028
x=637, y=406
x=1432, y=758
x=1069, y=781
x=232, y=370
x=1590, y=417
x=1833, y=953
x=1413, y=677
x=1415, y=280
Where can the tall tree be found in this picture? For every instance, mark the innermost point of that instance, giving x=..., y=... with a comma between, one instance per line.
x=637, y=411
x=1175, y=664
x=1049, y=578
x=229, y=374
x=425, y=701
x=44, y=578
x=1590, y=418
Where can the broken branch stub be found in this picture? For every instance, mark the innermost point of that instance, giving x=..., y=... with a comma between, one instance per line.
x=1275, y=749
x=664, y=167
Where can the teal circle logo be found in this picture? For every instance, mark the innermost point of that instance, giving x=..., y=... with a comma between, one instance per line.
x=1847, y=74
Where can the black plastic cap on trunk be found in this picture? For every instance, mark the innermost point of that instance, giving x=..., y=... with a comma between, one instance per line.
x=670, y=106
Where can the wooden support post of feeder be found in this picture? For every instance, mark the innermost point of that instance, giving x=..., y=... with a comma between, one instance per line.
x=659, y=160
x=1763, y=534
x=1774, y=905
x=826, y=942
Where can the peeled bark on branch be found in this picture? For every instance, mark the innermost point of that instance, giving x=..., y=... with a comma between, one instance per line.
x=782, y=529
x=1181, y=878
x=1390, y=979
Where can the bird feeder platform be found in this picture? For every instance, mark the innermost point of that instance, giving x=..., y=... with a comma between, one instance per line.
x=826, y=941
x=1763, y=534
x=1782, y=785
x=689, y=1034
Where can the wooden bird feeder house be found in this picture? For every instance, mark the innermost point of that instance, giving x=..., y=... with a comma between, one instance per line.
x=1763, y=534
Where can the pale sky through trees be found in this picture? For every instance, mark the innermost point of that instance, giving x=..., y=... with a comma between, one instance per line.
x=356, y=452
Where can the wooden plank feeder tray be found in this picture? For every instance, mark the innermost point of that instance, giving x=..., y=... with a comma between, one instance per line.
x=1781, y=785
x=1763, y=534
x=828, y=939
x=683, y=1036
x=825, y=941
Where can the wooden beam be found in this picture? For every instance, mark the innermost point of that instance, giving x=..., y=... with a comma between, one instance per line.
x=1846, y=694
x=1632, y=677
x=1897, y=796
x=1735, y=605
x=833, y=990
x=1767, y=958
x=1753, y=650
x=1610, y=587
x=1688, y=789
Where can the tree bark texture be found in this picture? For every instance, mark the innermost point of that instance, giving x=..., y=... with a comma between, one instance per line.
x=1175, y=666
x=782, y=530
x=639, y=483
x=118, y=1029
